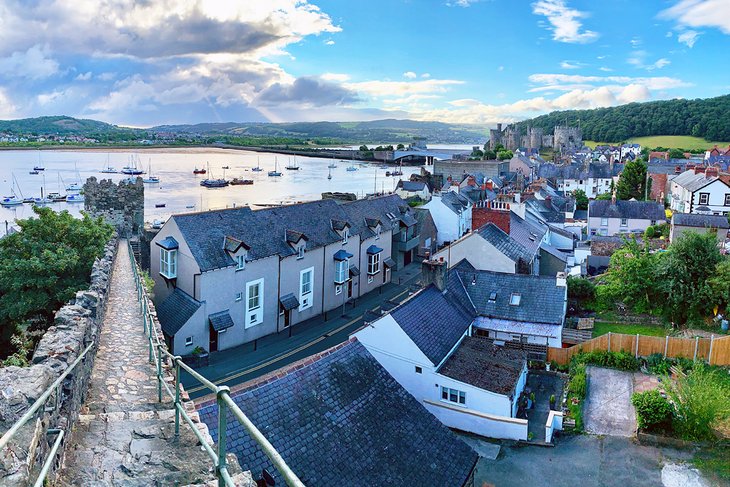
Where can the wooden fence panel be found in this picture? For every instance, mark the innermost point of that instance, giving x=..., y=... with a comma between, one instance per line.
x=649, y=345
x=681, y=347
x=623, y=342
x=720, y=351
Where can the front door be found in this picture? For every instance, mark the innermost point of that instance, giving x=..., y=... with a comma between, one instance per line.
x=349, y=289
x=213, y=340
x=407, y=257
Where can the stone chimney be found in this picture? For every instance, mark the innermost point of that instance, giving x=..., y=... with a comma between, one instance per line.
x=561, y=280
x=700, y=169
x=434, y=272
x=712, y=172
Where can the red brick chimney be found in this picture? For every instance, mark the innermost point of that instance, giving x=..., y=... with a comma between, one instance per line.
x=712, y=172
x=494, y=212
x=700, y=169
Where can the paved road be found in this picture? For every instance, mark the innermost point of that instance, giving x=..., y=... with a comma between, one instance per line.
x=243, y=363
x=123, y=436
x=608, y=409
x=587, y=461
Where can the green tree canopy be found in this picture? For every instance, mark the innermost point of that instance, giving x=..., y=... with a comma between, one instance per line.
x=504, y=155
x=631, y=278
x=581, y=200
x=633, y=181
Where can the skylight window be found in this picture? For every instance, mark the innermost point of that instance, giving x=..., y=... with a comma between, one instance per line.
x=514, y=299
x=493, y=297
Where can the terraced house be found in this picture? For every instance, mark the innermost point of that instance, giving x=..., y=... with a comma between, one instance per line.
x=227, y=277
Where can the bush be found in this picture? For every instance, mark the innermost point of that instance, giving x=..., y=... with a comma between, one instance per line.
x=653, y=411
x=657, y=364
x=578, y=385
x=649, y=232
x=615, y=360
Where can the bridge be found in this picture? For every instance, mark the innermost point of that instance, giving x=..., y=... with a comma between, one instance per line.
x=136, y=425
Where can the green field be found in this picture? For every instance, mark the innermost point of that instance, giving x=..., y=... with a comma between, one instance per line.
x=670, y=141
x=600, y=328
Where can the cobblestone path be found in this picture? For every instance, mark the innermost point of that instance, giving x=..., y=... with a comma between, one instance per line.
x=124, y=436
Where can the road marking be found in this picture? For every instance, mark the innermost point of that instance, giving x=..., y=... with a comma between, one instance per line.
x=287, y=354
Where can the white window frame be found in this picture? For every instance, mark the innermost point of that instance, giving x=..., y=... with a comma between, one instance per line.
x=168, y=263
x=239, y=296
x=300, y=252
x=345, y=235
x=451, y=393
x=624, y=222
x=240, y=262
x=705, y=197
x=727, y=199
x=604, y=222
x=373, y=264
x=305, y=296
x=377, y=232
x=254, y=316
x=188, y=341
x=338, y=289
x=342, y=268
x=514, y=299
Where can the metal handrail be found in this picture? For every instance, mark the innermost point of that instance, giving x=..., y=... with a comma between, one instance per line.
x=223, y=398
x=30, y=413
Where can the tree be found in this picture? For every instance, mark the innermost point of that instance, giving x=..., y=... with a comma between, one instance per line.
x=720, y=284
x=43, y=265
x=504, y=155
x=490, y=155
x=631, y=278
x=581, y=200
x=684, y=276
x=477, y=153
x=400, y=147
x=632, y=183
x=364, y=148
x=676, y=154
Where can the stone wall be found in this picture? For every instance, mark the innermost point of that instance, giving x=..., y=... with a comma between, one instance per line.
x=75, y=326
x=121, y=205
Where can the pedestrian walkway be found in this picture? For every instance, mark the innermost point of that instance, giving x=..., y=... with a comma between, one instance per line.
x=124, y=436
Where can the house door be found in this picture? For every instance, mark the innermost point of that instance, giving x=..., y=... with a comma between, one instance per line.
x=213, y=340
x=287, y=318
x=407, y=257
x=349, y=289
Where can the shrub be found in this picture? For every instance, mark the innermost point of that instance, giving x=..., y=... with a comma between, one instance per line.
x=657, y=364
x=701, y=402
x=653, y=411
x=616, y=360
x=649, y=232
x=578, y=382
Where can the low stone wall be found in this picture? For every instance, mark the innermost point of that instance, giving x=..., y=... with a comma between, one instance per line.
x=75, y=326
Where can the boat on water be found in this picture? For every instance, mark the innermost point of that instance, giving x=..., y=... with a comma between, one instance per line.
x=351, y=168
x=150, y=178
x=11, y=200
x=292, y=167
x=225, y=167
x=33, y=172
x=275, y=172
x=75, y=198
x=214, y=183
x=240, y=182
x=39, y=168
x=160, y=205
x=258, y=167
x=199, y=171
x=108, y=169
x=133, y=168
x=329, y=175
x=332, y=165
x=56, y=197
x=73, y=187
x=189, y=206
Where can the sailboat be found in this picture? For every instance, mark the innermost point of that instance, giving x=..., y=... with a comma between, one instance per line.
x=258, y=167
x=275, y=172
x=132, y=168
x=43, y=200
x=214, y=183
x=13, y=199
x=39, y=167
x=352, y=167
x=150, y=178
x=329, y=176
x=292, y=167
x=108, y=169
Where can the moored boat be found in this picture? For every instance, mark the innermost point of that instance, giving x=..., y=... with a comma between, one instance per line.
x=240, y=182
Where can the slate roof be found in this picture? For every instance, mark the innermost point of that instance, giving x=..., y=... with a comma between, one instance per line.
x=221, y=320
x=454, y=201
x=434, y=322
x=504, y=243
x=525, y=233
x=342, y=254
x=639, y=210
x=176, y=310
x=541, y=300
x=693, y=182
x=168, y=243
x=341, y=419
x=374, y=249
x=700, y=221
x=415, y=186
x=554, y=252
x=579, y=171
x=289, y=301
x=481, y=364
x=205, y=232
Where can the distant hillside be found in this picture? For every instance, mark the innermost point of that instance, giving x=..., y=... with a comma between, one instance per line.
x=60, y=125
x=377, y=131
x=707, y=118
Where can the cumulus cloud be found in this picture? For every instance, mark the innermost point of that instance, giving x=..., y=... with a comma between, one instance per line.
x=33, y=63
x=570, y=65
x=83, y=76
x=410, y=75
x=7, y=109
x=329, y=42
x=380, y=89
x=688, y=37
x=461, y=3
x=700, y=13
x=307, y=92
x=564, y=21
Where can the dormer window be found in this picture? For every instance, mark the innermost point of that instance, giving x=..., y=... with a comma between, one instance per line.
x=168, y=263
x=345, y=235
x=300, y=252
x=240, y=262
x=493, y=297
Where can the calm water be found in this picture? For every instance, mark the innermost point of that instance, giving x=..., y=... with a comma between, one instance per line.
x=179, y=187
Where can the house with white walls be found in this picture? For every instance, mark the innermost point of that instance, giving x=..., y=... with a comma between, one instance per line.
x=701, y=191
x=451, y=213
x=413, y=189
x=461, y=347
x=608, y=218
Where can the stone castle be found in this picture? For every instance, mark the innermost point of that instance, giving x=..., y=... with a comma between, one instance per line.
x=564, y=138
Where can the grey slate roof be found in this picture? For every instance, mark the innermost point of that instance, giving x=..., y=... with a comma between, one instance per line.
x=526, y=233
x=343, y=420
x=168, y=243
x=455, y=201
x=691, y=181
x=700, y=221
x=415, y=186
x=579, y=171
x=541, y=300
x=504, y=243
x=342, y=254
x=289, y=301
x=220, y=320
x=638, y=210
x=175, y=311
x=434, y=322
x=480, y=363
x=205, y=232
x=374, y=249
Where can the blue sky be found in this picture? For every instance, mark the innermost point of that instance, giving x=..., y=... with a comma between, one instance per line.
x=462, y=61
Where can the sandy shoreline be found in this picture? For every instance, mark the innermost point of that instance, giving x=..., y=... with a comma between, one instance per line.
x=167, y=150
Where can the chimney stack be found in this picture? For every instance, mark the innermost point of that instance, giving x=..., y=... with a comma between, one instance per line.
x=434, y=272
x=700, y=169
x=561, y=280
x=712, y=172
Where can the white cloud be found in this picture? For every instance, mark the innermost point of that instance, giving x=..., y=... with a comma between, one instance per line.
x=565, y=21
x=34, y=63
x=386, y=89
x=410, y=75
x=329, y=42
x=7, y=109
x=461, y=3
x=556, y=81
x=688, y=37
x=638, y=59
x=669, y=34
x=335, y=77
x=635, y=42
x=658, y=64
x=605, y=69
x=570, y=65
x=426, y=75
x=83, y=76
x=700, y=13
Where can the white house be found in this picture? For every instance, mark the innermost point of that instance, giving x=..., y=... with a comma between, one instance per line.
x=608, y=218
x=700, y=191
x=451, y=213
x=413, y=189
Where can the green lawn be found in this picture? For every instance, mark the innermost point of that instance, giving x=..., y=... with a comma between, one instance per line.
x=628, y=329
x=670, y=141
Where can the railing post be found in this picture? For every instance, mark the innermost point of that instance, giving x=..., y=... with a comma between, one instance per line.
x=637, y=346
x=709, y=355
x=697, y=344
x=222, y=413
x=159, y=373
x=609, y=341
x=149, y=341
x=666, y=345
x=177, y=395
